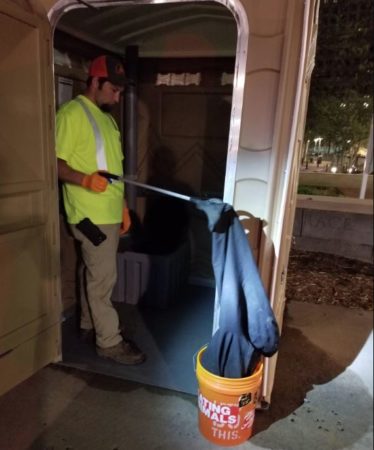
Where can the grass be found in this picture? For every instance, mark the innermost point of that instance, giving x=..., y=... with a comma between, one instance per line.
x=330, y=191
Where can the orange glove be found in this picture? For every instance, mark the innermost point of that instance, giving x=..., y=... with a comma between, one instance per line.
x=95, y=182
x=126, y=221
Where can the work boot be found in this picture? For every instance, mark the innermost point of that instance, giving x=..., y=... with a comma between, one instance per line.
x=125, y=352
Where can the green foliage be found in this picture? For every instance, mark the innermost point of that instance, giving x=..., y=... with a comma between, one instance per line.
x=330, y=191
x=339, y=119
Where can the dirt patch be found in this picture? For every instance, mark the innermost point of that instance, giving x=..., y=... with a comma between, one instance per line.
x=328, y=279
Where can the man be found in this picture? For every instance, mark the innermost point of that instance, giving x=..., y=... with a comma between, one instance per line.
x=88, y=141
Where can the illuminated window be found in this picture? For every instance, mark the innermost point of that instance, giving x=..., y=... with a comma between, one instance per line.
x=178, y=79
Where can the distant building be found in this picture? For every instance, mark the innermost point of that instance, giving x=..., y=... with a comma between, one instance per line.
x=341, y=93
x=345, y=47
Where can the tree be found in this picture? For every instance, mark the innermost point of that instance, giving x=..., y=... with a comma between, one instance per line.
x=340, y=102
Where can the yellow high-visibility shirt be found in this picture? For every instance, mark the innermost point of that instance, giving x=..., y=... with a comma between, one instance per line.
x=76, y=144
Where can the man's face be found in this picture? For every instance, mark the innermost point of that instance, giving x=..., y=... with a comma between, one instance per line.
x=108, y=95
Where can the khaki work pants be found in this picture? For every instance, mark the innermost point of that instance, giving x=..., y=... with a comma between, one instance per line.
x=98, y=274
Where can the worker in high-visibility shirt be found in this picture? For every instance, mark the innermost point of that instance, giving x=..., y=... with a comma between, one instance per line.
x=87, y=141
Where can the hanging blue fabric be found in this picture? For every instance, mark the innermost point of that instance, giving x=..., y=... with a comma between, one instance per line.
x=247, y=326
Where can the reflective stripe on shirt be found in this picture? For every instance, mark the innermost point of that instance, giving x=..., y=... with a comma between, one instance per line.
x=100, y=151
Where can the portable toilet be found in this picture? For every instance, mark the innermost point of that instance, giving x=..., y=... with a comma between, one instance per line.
x=276, y=41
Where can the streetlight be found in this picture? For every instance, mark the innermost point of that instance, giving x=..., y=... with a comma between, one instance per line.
x=318, y=141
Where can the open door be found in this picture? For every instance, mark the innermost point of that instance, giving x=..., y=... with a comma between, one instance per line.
x=29, y=253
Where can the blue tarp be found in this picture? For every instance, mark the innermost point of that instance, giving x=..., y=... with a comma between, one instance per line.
x=247, y=326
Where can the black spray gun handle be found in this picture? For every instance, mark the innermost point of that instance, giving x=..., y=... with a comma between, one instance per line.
x=110, y=176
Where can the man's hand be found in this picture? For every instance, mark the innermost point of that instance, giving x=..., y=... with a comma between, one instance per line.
x=95, y=182
x=126, y=221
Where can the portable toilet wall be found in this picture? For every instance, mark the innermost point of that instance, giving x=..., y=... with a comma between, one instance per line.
x=274, y=58
x=280, y=60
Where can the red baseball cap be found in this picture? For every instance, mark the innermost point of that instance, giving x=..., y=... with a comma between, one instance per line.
x=110, y=67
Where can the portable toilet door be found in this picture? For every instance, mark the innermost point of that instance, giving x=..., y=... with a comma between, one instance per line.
x=271, y=83
x=29, y=244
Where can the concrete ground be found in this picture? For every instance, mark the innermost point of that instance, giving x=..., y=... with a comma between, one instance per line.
x=322, y=398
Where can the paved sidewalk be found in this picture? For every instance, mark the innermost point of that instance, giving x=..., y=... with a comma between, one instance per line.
x=322, y=398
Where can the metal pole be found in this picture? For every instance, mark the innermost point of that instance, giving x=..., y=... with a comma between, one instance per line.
x=364, y=183
x=156, y=189
x=131, y=123
x=368, y=167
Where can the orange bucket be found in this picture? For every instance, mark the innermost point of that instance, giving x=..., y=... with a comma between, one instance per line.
x=226, y=405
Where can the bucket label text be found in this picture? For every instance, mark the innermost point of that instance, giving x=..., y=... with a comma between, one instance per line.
x=218, y=412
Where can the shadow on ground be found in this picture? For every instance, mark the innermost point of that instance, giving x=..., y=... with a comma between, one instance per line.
x=301, y=368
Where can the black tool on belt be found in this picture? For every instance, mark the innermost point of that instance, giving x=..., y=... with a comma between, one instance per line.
x=91, y=231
